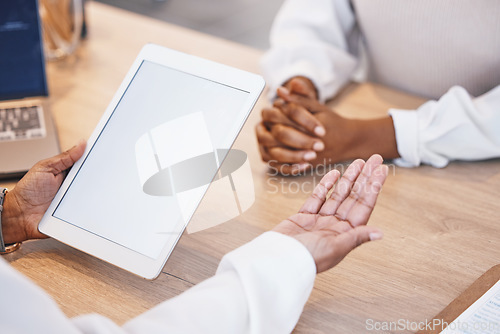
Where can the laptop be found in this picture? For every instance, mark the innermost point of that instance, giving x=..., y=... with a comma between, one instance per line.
x=27, y=132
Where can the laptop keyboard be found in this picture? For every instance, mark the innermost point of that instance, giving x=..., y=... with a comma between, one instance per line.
x=21, y=123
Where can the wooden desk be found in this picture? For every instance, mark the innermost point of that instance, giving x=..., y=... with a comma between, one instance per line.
x=441, y=225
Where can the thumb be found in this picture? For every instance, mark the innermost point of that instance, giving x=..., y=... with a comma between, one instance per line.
x=358, y=236
x=65, y=160
x=342, y=244
x=310, y=104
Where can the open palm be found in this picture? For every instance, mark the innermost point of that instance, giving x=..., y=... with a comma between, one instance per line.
x=330, y=226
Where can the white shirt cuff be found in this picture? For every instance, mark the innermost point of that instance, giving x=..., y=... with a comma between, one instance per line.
x=406, y=128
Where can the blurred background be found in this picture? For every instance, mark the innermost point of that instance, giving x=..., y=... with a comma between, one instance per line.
x=244, y=21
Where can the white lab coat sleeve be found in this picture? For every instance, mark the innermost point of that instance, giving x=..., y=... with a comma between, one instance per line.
x=457, y=127
x=260, y=287
x=311, y=39
x=25, y=308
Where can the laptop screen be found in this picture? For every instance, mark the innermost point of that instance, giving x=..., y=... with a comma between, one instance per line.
x=22, y=66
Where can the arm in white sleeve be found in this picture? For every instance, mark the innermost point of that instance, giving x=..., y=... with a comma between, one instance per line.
x=25, y=308
x=312, y=39
x=457, y=127
x=260, y=287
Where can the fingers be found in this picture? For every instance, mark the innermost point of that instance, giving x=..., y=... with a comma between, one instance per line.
x=284, y=161
x=284, y=155
x=265, y=137
x=285, y=131
x=283, y=136
x=367, y=197
x=64, y=160
x=302, y=117
x=271, y=149
x=302, y=86
x=312, y=105
x=357, y=207
x=296, y=139
x=343, y=188
x=318, y=197
x=272, y=116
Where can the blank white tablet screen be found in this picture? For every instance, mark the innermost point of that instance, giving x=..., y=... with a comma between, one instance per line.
x=141, y=181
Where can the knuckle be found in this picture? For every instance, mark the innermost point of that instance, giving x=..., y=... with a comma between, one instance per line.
x=279, y=132
x=310, y=123
x=273, y=152
x=294, y=112
x=279, y=103
x=265, y=113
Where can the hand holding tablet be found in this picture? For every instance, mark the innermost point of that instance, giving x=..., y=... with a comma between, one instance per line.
x=152, y=156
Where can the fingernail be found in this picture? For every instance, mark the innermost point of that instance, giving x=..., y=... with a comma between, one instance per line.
x=310, y=155
x=318, y=146
x=320, y=131
x=376, y=236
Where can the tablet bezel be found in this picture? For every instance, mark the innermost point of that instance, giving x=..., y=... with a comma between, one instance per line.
x=110, y=251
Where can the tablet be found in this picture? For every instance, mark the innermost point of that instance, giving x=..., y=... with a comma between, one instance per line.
x=151, y=158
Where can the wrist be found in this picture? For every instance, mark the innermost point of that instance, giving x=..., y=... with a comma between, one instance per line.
x=12, y=220
x=376, y=136
x=342, y=140
x=349, y=139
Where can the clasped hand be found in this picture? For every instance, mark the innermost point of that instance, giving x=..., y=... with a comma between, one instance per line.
x=299, y=132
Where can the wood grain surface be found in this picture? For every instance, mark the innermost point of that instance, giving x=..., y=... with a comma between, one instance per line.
x=441, y=225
